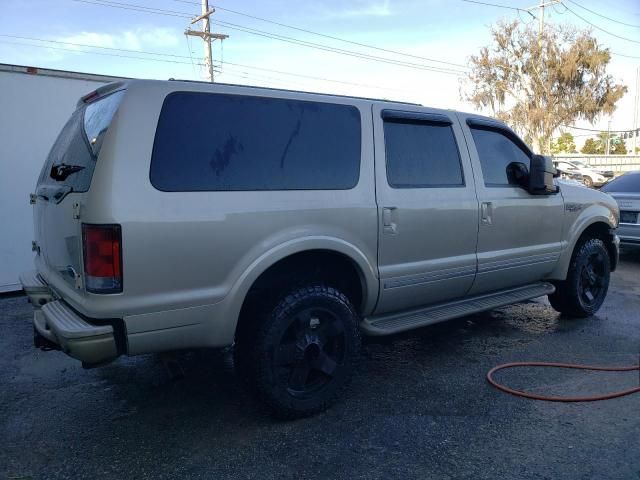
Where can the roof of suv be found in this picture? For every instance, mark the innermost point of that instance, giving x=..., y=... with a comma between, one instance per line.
x=295, y=91
x=249, y=88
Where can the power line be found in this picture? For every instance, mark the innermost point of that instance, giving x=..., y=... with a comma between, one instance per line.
x=93, y=46
x=340, y=51
x=135, y=8
x=317, y=46
x=331, y=37
x=96, y=53
x=500, y=6
x=624, y=55
x=310, y=77
x=190, y=57
x=603, y=16
x=600, y=28
x=595, y=130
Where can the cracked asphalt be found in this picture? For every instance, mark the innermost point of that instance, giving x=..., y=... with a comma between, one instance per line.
x=419, y=407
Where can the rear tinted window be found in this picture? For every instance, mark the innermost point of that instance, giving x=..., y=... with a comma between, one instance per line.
x=628, y=183
x=421, y=155
x=213, y=142
x=79, y=142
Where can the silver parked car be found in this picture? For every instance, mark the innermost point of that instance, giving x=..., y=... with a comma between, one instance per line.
x=591, y=177
x=626, y=190
x=173, y=215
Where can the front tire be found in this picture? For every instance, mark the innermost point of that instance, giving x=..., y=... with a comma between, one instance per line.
x=299, y=357
x=583, y=292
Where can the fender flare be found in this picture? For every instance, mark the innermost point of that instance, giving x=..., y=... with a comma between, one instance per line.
x=576, y=230
x=367, y=272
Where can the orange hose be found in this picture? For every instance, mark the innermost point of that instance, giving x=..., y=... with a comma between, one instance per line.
x=534, y=396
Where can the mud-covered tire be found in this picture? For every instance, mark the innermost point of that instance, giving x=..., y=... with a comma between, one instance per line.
x=298, y=356
x=583, y=292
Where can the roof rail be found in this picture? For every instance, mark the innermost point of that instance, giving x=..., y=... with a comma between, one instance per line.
x=295, y=91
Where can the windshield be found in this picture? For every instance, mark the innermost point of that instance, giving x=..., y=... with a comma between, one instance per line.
x=628, y=183
x=72, y=158
x=580, y=164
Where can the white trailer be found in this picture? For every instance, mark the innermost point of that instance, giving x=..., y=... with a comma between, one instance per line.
x=34, y=105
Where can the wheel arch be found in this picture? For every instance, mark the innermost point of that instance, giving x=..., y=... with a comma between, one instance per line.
x=591, y=226
x=269, y=266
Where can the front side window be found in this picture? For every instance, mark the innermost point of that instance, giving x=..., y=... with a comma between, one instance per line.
x=216, y=142
x=496, y=150
x=421, y=154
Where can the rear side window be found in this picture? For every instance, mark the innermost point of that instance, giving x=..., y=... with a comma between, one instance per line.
x=215, y=142
x=496, y=150
x=421, y=154
x=79, y=142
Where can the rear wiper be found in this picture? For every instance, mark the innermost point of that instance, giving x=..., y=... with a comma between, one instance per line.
x=62, y=171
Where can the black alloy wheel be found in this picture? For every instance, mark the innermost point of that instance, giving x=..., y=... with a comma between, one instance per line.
x=300, y=356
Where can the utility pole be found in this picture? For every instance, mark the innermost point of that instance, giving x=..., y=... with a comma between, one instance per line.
x=206, y=35
x=541, y=6
x=608, y=138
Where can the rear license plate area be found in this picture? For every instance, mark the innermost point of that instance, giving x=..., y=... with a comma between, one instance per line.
x=628, y=217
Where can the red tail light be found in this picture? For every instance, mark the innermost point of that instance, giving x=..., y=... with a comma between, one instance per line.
x=91, y=96
x=102, y=258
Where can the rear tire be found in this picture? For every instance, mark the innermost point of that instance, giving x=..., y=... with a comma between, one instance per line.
x=583, y=292
x=587, y=181
x=299, y=356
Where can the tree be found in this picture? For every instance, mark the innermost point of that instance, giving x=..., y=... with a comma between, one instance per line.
x=602, y=142
x=619, y=147
x=538, y=83
x=564, y=144
x=590, y=147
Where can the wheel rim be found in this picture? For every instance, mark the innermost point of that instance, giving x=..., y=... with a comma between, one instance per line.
x=310, y=351
x=592, y=286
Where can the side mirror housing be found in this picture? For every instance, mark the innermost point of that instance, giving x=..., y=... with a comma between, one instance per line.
x=541, y=176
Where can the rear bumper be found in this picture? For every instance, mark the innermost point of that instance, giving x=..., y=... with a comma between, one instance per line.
x=60, y=325
x=629, y=234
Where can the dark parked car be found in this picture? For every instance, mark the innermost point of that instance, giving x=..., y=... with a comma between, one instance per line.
x=626, y=190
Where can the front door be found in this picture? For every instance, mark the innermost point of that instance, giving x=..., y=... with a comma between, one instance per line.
x=427, y=207
x=519, y=236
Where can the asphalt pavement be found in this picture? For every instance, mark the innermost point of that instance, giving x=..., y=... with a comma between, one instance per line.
x=419, y=407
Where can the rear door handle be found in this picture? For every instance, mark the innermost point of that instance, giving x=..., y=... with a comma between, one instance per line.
x=486, y=213
x=388, y=225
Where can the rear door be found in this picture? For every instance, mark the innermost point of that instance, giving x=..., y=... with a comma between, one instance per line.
x=519, y=236
x=62, y=188
x=428, y=210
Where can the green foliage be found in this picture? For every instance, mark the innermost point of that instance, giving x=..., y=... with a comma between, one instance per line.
x=564, y=144
x=539, y=83
x=591, y=147
x=617, y=145
x=619, y=148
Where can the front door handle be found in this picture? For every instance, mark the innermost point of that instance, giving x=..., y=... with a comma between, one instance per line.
x=486, y=213
x=388, y=225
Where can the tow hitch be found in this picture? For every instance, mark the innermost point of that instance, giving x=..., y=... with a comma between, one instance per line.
x=43, y=343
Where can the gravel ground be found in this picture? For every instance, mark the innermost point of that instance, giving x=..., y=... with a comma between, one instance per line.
x=419, y=407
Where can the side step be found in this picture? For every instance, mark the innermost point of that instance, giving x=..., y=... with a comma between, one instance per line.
x=399, y=322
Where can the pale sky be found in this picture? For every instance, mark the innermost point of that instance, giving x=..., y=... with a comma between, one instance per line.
x=449, y=31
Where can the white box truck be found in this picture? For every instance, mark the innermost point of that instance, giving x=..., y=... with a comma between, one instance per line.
x=34, y=105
